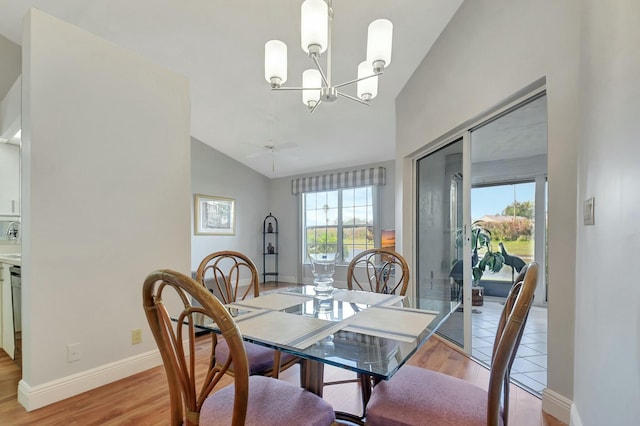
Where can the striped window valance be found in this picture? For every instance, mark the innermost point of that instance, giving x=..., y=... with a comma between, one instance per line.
x=340, y=180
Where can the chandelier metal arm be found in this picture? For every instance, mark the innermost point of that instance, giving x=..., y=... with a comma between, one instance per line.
x=327, y=81
x=346, y=83
x=324, y=78
x=295, y=88
x=314, y=107
x=356, y=80
x=353, y=98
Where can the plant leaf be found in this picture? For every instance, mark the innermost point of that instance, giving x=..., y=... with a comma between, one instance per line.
x=477, y=274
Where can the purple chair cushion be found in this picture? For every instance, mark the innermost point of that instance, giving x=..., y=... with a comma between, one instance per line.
x=260, y=357
x=417, y=396
x=271, y=402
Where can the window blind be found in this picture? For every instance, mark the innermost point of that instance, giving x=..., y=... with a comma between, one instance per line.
x=340, y=180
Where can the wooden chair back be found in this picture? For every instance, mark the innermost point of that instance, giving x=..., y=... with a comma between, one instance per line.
x=378, y=270
x=188, y=387
x=224, y=272
x=510, y=328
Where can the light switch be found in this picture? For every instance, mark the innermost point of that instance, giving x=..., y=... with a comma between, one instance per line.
x=589, y=211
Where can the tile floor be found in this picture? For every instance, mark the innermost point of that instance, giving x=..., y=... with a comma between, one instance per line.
x=530, y=366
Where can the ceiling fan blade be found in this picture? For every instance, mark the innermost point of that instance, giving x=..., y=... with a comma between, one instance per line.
x=285, y=146
x=272, y=149
x=289, y=157
x=257, y=154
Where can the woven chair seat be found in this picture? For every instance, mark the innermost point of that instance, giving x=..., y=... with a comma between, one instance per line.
x=451, y=401
x=231, y=276
x=192, y=375
x=260, y=357
x=271, y=402
x=416, y=396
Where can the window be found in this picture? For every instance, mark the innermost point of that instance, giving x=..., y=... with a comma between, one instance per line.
x=507, y=211
x=343, y=217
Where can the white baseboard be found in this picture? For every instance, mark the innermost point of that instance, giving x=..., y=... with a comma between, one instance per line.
x=575, y=416
x=34, y=397
x=557, y=405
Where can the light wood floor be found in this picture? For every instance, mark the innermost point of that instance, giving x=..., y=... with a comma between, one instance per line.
x=143, y=399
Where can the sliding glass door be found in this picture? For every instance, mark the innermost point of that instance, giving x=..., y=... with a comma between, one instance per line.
x=440, y=225
x=508, y=195
x=480, y=216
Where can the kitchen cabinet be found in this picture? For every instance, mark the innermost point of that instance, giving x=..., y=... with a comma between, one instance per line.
x=9, y=179
x=7, y=311
x=7, y=332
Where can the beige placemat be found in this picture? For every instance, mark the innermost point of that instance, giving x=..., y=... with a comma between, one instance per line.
x=397, y=323
x=285, y=329
x=366, y=297
x=273, y=301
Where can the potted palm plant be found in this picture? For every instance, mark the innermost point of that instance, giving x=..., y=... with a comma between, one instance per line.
x=481, y=244
x=491, y=260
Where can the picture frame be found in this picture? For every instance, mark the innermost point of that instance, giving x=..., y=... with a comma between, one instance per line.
x=214, y=215
x=388, y=240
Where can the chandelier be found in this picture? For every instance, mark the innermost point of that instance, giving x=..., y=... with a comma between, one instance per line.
x=317, y=87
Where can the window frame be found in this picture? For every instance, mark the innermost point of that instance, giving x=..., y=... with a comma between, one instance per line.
x=340, y=227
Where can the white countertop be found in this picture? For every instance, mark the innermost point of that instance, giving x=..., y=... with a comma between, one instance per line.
x=11, y=258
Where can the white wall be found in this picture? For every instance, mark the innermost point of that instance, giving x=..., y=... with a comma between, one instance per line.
x=213, y=173
x=286, y=208
x=106, y=184
x=607, y=366
x=10, y=153
x=10, y=110
x=489, y=51
x=9, y=65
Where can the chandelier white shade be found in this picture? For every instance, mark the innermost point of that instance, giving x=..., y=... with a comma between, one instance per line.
x=367, y=88
x=317, y=86
x=314, y=29
x=275, y=63
x=379, y=42
x=311, y=78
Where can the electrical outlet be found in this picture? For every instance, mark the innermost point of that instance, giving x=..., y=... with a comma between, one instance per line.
x=136, y=336
x=73, y=352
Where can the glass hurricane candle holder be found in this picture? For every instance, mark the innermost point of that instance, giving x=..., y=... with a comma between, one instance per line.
x=323, y=266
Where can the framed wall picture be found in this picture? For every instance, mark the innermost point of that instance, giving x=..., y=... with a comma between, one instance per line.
x=214, y=215
x=388, y=240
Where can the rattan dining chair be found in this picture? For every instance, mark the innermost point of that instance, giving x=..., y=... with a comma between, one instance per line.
x=415, y=395
x=251, y=400
x=378, y=270
x=233, y=276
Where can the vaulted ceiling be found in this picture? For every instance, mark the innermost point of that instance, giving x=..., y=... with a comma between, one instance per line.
x=219, y=46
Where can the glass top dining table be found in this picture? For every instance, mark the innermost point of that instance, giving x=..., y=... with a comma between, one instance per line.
x=369, y=333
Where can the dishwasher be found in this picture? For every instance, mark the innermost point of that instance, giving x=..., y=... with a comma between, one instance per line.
x=16, y=302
